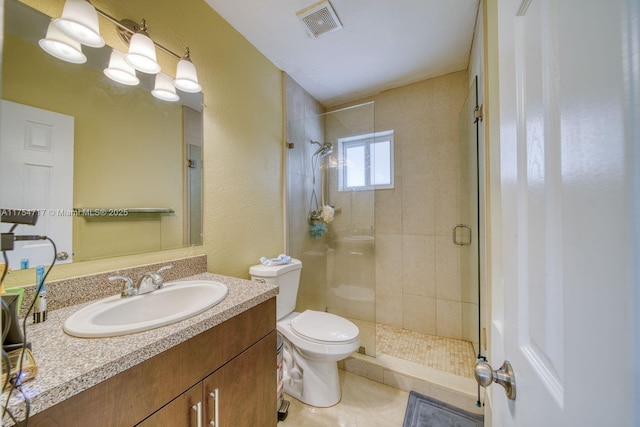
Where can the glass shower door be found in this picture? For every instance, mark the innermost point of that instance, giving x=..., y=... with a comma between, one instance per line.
x=351, y=290
x=337, y=251
x=467, y=233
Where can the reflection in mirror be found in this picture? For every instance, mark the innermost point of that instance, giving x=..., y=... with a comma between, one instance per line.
x=193, y=191
x=135, y=158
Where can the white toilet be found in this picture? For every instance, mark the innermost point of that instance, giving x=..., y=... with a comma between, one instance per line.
x=314, y=341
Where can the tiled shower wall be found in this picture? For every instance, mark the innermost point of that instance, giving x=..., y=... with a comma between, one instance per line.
x=418, y=283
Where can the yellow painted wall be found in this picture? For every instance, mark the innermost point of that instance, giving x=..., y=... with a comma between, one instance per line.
x=242, y=122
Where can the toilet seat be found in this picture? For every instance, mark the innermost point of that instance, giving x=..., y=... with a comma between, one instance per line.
x=324, y=328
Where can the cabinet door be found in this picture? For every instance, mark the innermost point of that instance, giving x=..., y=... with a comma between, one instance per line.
x=246, y=388
x=181, y=412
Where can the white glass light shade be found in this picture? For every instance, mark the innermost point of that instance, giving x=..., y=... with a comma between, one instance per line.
x=58, y=44
x=79, y=21
x=164, y=88
x=120, y=71
x=142, y=54
x=186, y=77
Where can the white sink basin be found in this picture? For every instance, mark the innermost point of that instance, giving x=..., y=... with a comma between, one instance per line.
x=115, y=315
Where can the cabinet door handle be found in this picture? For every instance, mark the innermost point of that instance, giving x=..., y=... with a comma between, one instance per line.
x=197, y=408
x=215, y=395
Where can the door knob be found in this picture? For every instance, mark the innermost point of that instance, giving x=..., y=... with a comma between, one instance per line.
x=485, y=375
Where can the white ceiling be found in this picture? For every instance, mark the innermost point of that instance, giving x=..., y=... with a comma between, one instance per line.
x=383, y=43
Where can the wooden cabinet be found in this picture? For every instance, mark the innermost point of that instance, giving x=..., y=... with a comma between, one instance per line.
x=180, y=412
x=238, y=394
x=238, y=357
x=244, y=385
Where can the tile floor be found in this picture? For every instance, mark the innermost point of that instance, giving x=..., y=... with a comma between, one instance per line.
x=364, y=403
x=446, y=354
x=373, y=404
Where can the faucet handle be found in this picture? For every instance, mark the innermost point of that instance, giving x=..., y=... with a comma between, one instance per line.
x=158, y=280
x=165, y=268
x=129, y=290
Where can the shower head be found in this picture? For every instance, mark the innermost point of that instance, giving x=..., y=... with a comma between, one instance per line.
x=324, y=150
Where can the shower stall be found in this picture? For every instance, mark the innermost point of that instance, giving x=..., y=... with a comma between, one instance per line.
x=382, y=210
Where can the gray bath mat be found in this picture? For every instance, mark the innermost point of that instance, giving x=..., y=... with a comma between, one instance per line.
x=424, y=411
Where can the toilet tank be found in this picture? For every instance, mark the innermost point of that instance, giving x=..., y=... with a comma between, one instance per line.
x=287, y=278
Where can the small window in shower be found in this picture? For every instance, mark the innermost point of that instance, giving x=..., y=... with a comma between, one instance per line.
x=367, y=161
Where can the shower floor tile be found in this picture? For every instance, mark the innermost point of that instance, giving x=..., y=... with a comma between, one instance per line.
x=446, y=354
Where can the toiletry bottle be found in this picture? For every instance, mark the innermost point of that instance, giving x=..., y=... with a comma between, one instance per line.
x=40, y=307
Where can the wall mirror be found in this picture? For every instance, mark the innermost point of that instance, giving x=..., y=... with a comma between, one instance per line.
x=136, y=169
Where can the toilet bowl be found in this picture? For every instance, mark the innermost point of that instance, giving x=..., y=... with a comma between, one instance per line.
x=314, y=341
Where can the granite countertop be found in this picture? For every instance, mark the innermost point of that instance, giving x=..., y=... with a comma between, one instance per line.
x=68, y=365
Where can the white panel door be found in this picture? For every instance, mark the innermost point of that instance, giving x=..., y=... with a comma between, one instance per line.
x=36, y=172
x=564, y=307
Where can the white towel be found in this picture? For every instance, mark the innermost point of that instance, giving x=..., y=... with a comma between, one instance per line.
x=279, y=260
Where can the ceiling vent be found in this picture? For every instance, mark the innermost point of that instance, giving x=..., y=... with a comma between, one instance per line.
x=319, y=19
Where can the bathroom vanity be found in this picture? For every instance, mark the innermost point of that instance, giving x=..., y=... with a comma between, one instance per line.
x=217, y=366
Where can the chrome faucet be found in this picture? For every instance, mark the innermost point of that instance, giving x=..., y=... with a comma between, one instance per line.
x=153, y=279
x=129, y=289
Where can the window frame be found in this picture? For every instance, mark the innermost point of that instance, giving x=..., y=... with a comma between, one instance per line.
x=365, y=140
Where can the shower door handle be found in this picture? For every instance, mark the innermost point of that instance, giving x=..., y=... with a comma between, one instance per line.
x=458, y=237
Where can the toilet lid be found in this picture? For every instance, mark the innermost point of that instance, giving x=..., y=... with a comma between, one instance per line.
x=324, y=327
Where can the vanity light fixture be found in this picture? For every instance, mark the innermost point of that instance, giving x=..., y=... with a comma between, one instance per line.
x=164, y=88
x=142, y=51
x=58, y=44
x=186, y=77
x=119, y=71
x=79, y=25
x=79, y=21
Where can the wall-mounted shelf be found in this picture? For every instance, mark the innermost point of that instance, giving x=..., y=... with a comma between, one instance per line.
x=119, y=212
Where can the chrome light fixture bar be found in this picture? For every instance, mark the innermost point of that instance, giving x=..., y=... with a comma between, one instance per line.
x=79, y=25
x=142, y=57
